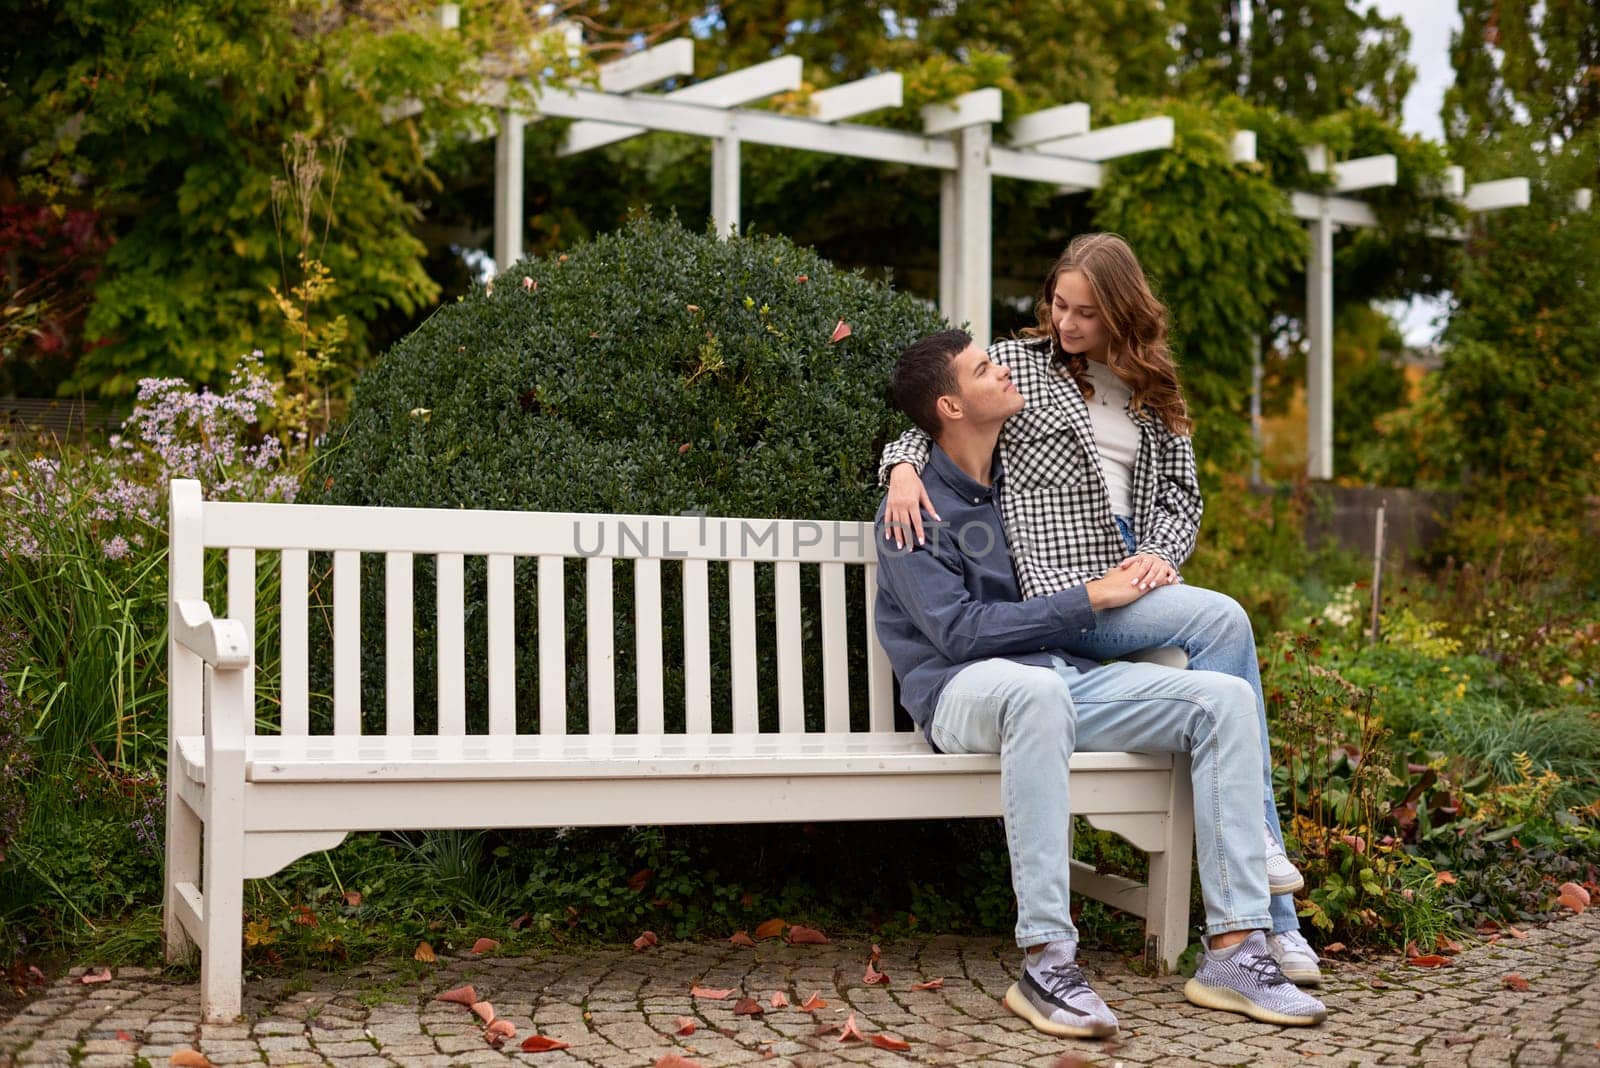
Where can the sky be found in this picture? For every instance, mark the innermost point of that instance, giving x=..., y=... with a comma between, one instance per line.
x=1431, y=23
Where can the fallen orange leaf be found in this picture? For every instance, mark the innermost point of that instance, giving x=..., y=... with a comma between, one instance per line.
x=1428, y=960
x=1448, y=946
x=1516, y=933
x=499, y=1031
x=123, y=1036
x=541, y=1044
x=707, y=992
x=685, y=1025
x=640, y=879
x=876, y=954
x=352, y=898
x=873, y=977
x=675, y=1060
x=188, y=1058
x=931, y=984
x=461, y=995
x=742, y=938
x=770, y=929
x=1574, y=897
x=1443, y=878
x=424, y=953
x=1515, y=982
x=780, y=1000
x=747, y=1007
x=99, y=975
x=840, y=332
x=814, y=1002
x=646, y=940
x=808, y=936
x=890, y=1042
x=1333, y=947
x=484, y=945
x=484, y=1010
x=851, y=1031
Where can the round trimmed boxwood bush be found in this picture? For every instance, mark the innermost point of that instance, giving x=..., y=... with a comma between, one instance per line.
x=651, y=371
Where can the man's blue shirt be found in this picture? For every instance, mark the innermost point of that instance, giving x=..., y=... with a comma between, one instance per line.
x=955, y=599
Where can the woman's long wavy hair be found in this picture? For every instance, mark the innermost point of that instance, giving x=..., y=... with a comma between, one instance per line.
x=1135, y=319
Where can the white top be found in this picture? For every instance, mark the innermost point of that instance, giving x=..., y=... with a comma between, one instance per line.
x=1116, y=435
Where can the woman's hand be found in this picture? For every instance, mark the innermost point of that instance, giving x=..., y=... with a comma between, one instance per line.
x=1147, y=571
x=904, y=506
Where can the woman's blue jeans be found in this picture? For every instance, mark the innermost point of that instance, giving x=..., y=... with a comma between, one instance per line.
x=1036, y=718
x=1214, y=631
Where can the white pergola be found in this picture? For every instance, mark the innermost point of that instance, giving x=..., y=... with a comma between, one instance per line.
x=1055, y=146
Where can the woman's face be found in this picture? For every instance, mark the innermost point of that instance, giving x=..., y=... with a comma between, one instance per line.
x=1079, y=326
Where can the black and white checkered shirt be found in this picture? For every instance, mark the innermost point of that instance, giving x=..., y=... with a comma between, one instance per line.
x=1053, y=497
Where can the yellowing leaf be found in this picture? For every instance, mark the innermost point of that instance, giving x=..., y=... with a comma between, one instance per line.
x=424, y=953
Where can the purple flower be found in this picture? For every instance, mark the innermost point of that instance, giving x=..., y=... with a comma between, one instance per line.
x=116, y=548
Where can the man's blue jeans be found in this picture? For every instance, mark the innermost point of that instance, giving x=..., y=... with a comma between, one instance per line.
x=1036, y=717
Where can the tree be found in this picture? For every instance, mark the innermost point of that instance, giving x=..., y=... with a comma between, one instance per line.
x=1307, y=58
x=169, y=121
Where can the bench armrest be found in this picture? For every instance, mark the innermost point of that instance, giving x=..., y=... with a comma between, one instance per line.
x=222, y=643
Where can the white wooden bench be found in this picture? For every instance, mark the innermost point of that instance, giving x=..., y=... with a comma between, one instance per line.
x=242, y=804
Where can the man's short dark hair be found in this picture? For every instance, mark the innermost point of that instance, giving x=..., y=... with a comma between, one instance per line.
x=925, y=372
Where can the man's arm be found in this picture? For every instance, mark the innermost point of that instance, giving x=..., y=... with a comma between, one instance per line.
x=926, y=582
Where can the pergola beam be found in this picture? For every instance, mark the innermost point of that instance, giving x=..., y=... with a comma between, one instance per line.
x=1495, y=196
x=859, y=97
x=1367, y=172
x=670, y=59
x=1110, y=142
x=1051, y=124
x=745, y=86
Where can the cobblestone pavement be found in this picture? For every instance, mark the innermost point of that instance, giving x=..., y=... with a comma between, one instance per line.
x=622, y=1008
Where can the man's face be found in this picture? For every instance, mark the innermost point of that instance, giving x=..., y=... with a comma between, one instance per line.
x=988, y=395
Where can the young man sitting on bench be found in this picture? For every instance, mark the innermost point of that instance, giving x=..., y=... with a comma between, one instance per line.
x=982, y=671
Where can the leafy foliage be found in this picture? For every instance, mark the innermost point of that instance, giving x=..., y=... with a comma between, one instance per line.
x=168, y=119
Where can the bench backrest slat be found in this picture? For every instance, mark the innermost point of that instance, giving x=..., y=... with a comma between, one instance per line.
x=651, y=671
x=835, y=650
x=552, y=646
x=293, y=626
x=742, y=645
x=452, y=644
x=242, y=606
x=399, y=645
x=791, y=681
x=346, y=642
x=697, y=646
x=880, y=677
x=602, y=666
x=502, y=645
x=724, y=687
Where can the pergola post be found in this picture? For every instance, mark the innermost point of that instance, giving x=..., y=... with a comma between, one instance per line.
x=1319, y=348
x=949, y=252
x=725, y=185
x=974, y=229
x=508, y=167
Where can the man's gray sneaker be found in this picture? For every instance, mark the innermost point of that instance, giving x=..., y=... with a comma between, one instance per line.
x=1245, y=978
x=1054, y=996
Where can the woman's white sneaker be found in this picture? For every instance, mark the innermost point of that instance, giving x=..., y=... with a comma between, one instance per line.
x=1245, y=978
x=1282, y=876
x=1296, y=957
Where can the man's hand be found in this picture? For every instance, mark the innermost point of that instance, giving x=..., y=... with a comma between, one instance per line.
x=1147, y=571
x=903, y=507
x=1112, y=590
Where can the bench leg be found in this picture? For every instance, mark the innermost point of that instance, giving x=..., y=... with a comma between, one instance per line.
x=1167, y=921
x=221, y=952
x=182, y=866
